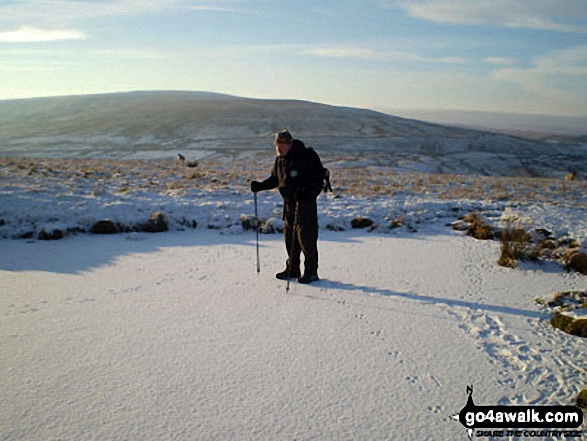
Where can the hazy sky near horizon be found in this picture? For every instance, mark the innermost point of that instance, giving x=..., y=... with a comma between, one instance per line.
x=521, y=56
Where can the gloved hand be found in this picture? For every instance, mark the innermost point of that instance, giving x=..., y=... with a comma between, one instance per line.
x=256, y=186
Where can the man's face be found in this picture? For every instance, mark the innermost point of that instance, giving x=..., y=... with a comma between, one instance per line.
x=282, y=149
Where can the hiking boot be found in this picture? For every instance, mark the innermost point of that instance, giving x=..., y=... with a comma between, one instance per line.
x=308, y=278
x=284, y=275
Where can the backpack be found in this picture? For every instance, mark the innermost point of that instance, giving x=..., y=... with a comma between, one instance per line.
x=323, y=174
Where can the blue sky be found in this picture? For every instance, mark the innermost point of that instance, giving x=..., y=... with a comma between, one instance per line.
x=520, y=56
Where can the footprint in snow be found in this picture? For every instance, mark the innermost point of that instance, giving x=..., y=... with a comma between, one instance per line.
x=380, y=335
x=414, y=381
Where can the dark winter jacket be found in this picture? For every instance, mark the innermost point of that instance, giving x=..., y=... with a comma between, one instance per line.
x=297, y=175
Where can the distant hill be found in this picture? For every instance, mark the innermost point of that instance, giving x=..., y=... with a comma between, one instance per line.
x=150, y=125
x=195, y=116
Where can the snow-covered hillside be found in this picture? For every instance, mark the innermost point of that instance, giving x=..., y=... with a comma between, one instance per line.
x=155, y=125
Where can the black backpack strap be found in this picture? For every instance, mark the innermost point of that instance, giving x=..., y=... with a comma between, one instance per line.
x=327, y=186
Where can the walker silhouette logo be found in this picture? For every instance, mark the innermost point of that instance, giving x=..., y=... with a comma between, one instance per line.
x=515, y=421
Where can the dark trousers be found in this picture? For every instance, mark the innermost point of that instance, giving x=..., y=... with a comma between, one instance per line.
x=305, y=238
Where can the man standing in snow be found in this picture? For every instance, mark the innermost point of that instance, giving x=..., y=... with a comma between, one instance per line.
x=297, y=173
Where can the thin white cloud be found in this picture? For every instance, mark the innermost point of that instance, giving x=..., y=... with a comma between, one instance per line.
x=363, y=54
x=131, y=54
x=28, y=34
x=56, y=13
x=374, y=55
x=555, y=15
x=572, y=61
x=560, y=76
x=17, y=69
x=500, y=61
x=64, y=13
x=216, y=8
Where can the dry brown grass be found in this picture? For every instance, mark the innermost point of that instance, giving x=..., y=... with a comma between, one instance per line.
x=578, y=262
x=363, y=181
x=477, y=228
x=515, y=246
x=570, y=325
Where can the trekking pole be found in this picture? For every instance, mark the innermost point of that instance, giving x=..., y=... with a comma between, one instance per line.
x=257, y=234
x=293, y=239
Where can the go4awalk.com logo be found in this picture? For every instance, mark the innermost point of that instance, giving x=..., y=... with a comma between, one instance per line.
x=520, y=421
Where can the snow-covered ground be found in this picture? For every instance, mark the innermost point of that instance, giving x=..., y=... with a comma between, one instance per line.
x=39, y=195
x=175, y=335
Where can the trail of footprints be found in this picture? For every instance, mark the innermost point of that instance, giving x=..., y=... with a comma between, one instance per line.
x=29, y=308
x=32, y=308
x=416, y=381
x=525, y=368
x=193, y=274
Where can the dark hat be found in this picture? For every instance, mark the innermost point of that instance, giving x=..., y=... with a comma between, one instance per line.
x=283, y=137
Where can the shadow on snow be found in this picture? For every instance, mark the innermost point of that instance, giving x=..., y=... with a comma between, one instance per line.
x=332, y=284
